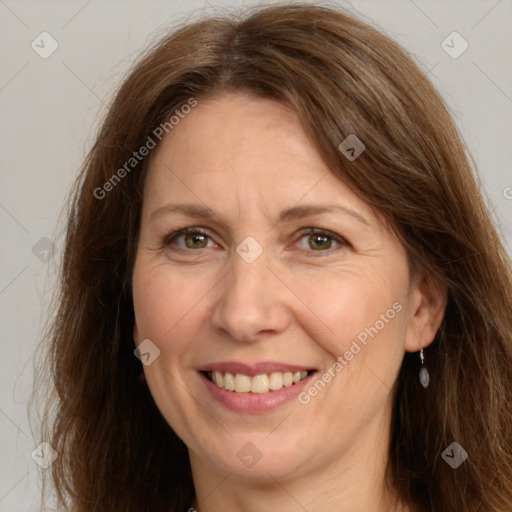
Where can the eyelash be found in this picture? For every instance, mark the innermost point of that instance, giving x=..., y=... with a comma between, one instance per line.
x=306, y=232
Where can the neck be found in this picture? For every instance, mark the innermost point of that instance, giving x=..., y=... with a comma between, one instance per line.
x=354, y=481
x=311, y=494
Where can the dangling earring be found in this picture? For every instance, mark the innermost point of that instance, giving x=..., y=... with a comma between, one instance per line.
x=424, y=376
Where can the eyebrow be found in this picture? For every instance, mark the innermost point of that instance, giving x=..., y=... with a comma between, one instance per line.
x=293, y=213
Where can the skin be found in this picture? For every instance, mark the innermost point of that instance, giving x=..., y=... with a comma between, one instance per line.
x=248, y=159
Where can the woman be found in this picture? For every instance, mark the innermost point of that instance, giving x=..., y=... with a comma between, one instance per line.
x=281, y=286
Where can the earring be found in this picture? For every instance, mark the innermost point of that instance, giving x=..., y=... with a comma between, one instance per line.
x=424, y=376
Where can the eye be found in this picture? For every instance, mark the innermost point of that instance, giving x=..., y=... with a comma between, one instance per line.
x=311, y=240
x=190, y=238
x=320, y=240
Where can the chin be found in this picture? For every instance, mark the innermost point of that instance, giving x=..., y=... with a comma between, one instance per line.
x=257, y=461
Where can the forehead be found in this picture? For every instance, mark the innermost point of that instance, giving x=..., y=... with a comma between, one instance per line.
x=238, y=151
x=236, y=129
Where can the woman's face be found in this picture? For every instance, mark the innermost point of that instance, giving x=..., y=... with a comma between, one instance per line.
x=284, y=271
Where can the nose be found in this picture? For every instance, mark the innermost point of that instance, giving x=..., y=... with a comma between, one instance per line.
x=252, y=302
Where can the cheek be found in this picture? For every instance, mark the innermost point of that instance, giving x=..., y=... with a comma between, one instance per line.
x=166, y=313
x=165, y=306
x=365, y=320
x=353, y=307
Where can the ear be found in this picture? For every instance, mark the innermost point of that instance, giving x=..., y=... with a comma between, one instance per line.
x=427, y=307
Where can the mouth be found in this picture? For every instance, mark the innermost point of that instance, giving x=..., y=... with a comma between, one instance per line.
x=259, y=384
x=256, y=387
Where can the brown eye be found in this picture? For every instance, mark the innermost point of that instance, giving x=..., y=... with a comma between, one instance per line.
x=195, y=240
x=315, y=240
x=188, y=238
x=319, y=242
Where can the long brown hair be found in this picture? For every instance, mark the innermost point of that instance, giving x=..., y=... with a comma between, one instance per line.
x=342, y=77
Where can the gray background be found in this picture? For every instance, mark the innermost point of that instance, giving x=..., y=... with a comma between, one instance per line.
x=50, y=109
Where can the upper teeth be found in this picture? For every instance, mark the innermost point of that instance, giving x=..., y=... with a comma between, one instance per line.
x=241, y=383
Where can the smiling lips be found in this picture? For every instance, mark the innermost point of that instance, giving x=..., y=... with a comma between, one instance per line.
x=256, y=378
x=262, y=383
x=254, y=388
